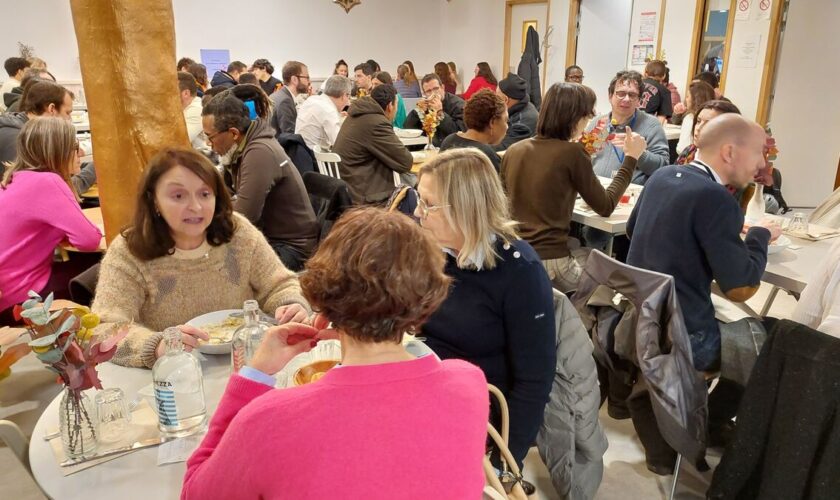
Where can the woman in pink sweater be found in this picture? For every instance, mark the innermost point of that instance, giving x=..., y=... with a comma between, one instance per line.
x=39, y=210
x=383, y=424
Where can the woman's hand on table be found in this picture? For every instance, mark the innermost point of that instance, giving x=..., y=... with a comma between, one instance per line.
x=679, y=108
x=292, y=313
x=281, y=344
x=190, y=336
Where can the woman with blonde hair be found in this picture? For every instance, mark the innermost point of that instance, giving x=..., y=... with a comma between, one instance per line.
x=499, y=313
x=39, y=210
x=406, y=82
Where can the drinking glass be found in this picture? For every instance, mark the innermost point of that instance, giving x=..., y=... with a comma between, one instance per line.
x=112, y=415
x=798, y=224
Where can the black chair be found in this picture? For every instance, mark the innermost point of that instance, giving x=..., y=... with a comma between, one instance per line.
x=330, y=197
x=297, y=150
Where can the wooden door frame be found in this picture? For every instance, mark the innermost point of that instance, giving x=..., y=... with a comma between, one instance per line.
x=768, y=77
x=727, y=41
x=696, y=37
x=572, y=33
x=509, y=21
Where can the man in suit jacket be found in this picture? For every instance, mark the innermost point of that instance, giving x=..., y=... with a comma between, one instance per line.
x=295, y=82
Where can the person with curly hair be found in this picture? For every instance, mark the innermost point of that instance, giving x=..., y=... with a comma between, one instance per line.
x=486, y=117
x=390, y=424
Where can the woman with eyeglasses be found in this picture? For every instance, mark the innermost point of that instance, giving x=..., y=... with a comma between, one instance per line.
x=543, y=176
x=499, y=313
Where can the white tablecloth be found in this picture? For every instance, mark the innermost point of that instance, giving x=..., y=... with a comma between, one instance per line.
x=133, y=476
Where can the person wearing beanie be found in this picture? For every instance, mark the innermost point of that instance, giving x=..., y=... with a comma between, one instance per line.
x=522, y=115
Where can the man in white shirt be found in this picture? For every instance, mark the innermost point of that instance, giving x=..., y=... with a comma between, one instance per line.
x=191, y=104
x=319, y=117
x=15, y=67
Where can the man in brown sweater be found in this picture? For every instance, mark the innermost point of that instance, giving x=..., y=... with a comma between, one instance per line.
x=268, y=187
x=370, y=150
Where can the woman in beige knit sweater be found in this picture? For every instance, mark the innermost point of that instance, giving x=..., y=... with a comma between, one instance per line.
x=187, y=254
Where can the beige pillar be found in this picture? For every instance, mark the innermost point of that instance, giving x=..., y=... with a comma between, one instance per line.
x=127, y=56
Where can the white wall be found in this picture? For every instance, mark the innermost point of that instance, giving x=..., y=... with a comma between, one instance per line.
x=317, y=33
x=639, y=7
x=471, y=31
x=676, y=41
x=742, y=84
x=803, y=113
x=555, y=59
x=602, y=44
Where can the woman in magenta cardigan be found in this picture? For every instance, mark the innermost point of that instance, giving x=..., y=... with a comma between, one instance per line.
x=484, y=79
x=39, y=210
x=384, y=424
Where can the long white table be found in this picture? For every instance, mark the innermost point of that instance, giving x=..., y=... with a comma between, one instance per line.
x=787, y=269
x=132, y=476
x=672, y=132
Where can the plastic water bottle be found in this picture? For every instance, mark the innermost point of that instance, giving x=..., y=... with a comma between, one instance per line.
x=755, y=208
x=179, y=389
x=247, y=337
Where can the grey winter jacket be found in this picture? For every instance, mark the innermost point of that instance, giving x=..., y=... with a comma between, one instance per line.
x=651, y=334
x=571, y=441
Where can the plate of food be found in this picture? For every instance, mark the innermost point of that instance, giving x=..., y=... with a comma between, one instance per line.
x=220, y=326
x=777, y=246
x=408, y=133
x=309, y=367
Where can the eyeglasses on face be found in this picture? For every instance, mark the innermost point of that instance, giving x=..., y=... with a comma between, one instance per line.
x=622, y=94
x=425, y=209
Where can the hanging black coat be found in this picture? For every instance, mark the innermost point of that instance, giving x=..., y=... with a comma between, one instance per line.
x=529, y=66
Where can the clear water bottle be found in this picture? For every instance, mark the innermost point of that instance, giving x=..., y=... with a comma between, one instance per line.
x=247, y=337
x=179, y=389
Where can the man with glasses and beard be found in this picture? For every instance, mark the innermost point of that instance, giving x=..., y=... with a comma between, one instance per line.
x=268, y=188
x=295, y=83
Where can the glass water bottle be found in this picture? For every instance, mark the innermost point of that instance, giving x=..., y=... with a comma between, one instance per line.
x=247, y=337
x=179, y=389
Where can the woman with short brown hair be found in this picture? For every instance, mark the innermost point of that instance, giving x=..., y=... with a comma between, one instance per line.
x=186, y=254
x=543, y=176
x=384, y=424
x=486, y=117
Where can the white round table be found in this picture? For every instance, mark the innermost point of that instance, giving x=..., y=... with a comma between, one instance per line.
x=135, y=475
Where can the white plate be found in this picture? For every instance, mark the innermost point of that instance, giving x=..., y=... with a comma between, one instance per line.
x=418, y=155
x=778, y=245
x=208, y=319
x=408, y=133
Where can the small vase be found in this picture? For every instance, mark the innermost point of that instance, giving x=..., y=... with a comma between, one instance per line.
x=76, y=422
x=430, y=145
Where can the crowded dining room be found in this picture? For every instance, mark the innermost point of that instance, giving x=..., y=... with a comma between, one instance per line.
x=415, y=249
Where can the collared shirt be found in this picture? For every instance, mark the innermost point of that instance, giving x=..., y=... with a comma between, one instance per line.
x=192, y=115
x=706, y=168
x=318, y=121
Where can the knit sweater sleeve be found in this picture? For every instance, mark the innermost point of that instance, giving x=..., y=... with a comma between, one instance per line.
x=530, y=340
x=735, y=264
x=603, y=201
x=206, y=469
x=657, y=153
x=273, y=284
x=120, y=293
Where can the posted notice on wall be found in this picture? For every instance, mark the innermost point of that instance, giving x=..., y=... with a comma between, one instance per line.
x=647, y=26
x=641, y=54
x=746, y=51
x=215, y=60
x=762, y=10
x=742, y=10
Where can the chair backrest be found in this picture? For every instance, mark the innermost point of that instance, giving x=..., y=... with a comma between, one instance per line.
x=327, y=163
x=330, y=198
x=11, y=434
